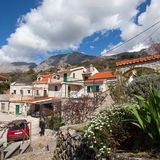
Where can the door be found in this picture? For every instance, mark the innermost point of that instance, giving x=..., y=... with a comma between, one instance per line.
x=65, y=77
x=69, y=90
x=17, y=109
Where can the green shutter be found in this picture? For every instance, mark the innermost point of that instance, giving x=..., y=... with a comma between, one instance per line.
x=17, y=109
x=88, y=88
x=97, y=88
x=74, y=75
x=65, y=77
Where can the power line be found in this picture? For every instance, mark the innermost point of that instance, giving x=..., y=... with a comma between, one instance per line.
x=133, y=37
x=153, y=32
x=145, y=38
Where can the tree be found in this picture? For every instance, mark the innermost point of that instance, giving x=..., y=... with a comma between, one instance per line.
x=140, y=85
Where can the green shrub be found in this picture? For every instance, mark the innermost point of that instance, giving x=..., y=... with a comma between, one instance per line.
x=4, y=86
x=140, y=85
x=147, y=115
x=53, y=123
x=106, y=132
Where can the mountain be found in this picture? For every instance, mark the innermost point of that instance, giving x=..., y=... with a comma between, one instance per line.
x=57, y=60
x=16, y=66
x=76, y=58
x=129, y=55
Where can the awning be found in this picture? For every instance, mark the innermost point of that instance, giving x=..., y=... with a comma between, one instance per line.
x=47, y=100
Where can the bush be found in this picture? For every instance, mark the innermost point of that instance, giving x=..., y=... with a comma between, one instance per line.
x=147, y=115
x=106, y=130
x=112, y=130
x=53, y=123
x=4, y=86
x=140, y=85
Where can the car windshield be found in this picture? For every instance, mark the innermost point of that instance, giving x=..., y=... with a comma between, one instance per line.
x=17, y=126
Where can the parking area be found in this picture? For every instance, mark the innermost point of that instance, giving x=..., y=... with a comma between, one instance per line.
x=5, y=118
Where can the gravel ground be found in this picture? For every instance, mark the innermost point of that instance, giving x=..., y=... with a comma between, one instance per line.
x=39, y=149
x=38, y=143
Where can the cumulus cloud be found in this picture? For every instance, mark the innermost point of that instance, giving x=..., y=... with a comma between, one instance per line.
x=128, y=30
x=138, y=47
x=62, y=24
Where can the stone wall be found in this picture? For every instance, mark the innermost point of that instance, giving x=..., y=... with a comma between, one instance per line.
x=151, y=64
x=71, y=146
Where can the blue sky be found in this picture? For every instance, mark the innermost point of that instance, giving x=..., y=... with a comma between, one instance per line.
x=93, y=39
x=10, y=11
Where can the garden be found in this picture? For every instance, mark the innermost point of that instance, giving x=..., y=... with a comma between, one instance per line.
x=129, y=128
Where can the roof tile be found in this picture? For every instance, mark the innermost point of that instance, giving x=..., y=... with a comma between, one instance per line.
x=98, y=77
x=137, y=60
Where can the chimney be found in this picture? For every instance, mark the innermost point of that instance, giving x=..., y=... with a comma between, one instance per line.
x=91, y=68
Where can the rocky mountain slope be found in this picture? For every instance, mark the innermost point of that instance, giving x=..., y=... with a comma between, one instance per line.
x=16, y=66
x=61, y=59
x=74, y=58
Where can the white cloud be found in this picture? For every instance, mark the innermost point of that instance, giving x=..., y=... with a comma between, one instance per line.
x=92, y=47
x=129, y=29
x=138, y=47
x=62, y=24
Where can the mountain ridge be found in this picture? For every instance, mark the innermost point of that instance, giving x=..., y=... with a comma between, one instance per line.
x=72, y=58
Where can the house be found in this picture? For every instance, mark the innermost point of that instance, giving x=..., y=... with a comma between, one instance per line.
x=99, y=82
x=4, y=103
x=151, y=62
x=21, y=91
x=72, y=80
x=48, y=90
x=4, y=77
x=41, y=87
x=20, y=94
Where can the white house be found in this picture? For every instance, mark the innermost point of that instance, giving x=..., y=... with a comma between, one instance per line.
x=48, y=88
x=4, y=103
x=72, y=80
x=99, y=82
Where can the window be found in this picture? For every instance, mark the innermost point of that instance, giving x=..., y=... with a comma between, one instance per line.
x=85, y=78
x=93, y=88
x=74, y=75
x=56, y=88
x=88, y=89
x=2, y=106
x=97, y=88
x=14, y=91
x=21, y=92
x=37, y=92
x=45, y=92
x=29, y=91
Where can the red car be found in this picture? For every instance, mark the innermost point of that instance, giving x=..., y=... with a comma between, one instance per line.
x=18, y=130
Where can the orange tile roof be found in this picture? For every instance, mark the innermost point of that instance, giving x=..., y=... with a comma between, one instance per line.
x=44, y=78
x=99, y=77
x=34, y=100
x=137, y=60
x=4, y=76
x=44, y=99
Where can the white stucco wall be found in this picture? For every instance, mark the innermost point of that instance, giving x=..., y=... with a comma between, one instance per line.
x=52, y=92
x=23, y=108
x=21, y=87
x=4, y=106
x=40, y=87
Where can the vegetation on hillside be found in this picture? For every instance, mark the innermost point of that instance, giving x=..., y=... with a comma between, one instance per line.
x=4, y=87
x=26, y=77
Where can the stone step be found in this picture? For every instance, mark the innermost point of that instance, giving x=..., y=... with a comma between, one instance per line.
x=11, y=149
x=24, y=146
